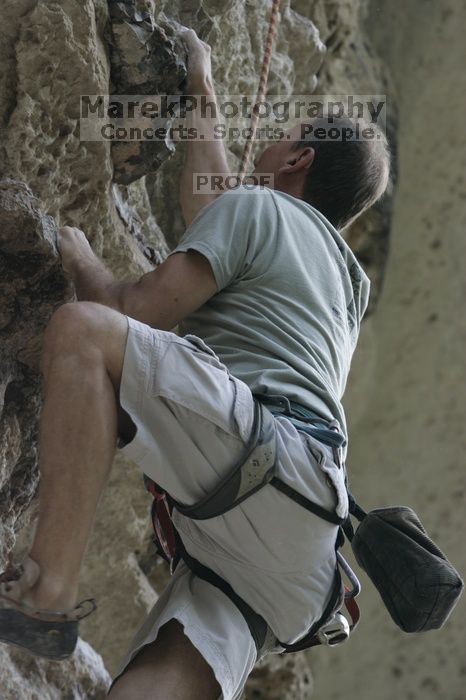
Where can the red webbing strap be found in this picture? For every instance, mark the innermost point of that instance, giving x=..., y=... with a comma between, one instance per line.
x=161, y=521
x=353, y=609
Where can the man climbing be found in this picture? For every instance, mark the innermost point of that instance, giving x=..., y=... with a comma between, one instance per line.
x=269, y=298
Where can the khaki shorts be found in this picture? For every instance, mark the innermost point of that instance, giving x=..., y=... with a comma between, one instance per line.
x=193, y=420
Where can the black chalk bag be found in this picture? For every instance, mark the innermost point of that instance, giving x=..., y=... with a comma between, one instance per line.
x=417, y=583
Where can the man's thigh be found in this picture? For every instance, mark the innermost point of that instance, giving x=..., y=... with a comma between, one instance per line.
x=89, y=325
x=85, y=324
x=171, y=667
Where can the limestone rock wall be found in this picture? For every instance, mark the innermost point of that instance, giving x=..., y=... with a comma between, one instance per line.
x=32, y=285
x=28, y=678
x=126, y=202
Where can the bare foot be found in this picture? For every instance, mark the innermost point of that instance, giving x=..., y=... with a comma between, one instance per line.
x=26, y=585
x=35, y=619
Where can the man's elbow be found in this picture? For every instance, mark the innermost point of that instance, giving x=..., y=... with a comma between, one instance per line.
x=118, y=296
x=134, y=302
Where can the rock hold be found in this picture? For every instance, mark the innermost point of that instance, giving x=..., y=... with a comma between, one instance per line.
x=145, y=60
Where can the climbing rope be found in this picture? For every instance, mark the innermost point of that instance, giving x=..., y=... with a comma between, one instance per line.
x=272, y=30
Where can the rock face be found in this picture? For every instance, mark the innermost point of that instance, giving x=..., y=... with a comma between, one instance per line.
x=81, y=676
x=144, y=61
x=32, y=285
x=125, y=198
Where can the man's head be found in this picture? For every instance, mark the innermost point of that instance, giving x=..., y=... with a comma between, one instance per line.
x=341, y=178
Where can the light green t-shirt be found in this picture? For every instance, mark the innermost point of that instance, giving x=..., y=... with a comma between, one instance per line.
x=291, y=296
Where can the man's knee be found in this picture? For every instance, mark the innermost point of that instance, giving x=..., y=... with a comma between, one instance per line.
x=71, y=323
x=90, y=329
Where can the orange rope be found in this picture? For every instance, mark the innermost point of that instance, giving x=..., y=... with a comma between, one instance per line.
x=273, y=26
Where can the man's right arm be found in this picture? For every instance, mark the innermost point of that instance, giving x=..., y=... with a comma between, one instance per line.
x=206, y=156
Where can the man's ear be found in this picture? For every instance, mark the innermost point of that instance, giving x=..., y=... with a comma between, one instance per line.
x=302, y=161
x=308, y=154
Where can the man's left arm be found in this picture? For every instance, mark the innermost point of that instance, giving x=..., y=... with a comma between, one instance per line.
x=205, y=154
x=161, y=298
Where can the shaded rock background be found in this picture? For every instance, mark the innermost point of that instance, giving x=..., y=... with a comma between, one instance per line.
x=404, y=407
x=406, y=398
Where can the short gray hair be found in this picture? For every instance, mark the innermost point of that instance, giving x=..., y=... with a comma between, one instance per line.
x=347, y=176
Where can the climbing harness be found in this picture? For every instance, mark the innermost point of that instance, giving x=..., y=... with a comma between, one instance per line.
x=264, y=74
x=257, y=468
x=418, y=585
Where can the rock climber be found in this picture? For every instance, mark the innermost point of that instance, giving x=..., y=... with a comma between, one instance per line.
x=269, y=298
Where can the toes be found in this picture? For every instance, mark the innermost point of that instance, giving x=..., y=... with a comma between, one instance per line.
x=16, y=580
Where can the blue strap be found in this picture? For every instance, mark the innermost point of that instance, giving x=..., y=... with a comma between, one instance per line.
x=303, y=418
x=325, y=435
